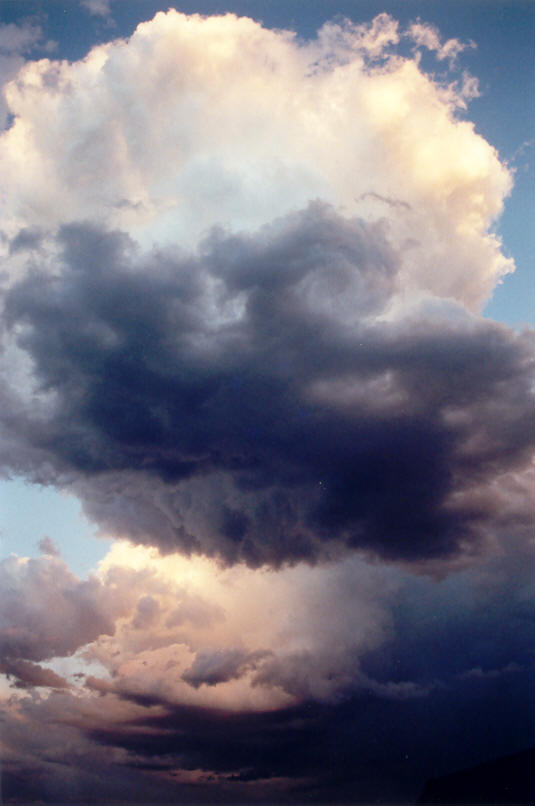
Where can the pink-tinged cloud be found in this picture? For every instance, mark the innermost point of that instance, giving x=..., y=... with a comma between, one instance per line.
x=46, y=611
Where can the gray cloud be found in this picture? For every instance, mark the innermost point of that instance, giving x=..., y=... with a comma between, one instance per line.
x=147, y=611
x=19, y=38
x=46, y=611
x=47, y=546
x=26, y=239
x=213, y=666
x=28, y=675
x=252, y=402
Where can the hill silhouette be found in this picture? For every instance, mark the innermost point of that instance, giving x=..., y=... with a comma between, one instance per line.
x=506, y=780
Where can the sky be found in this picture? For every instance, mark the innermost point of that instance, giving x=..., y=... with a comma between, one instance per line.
x=267, y=399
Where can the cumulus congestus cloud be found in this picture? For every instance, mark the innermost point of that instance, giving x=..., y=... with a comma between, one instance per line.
x=36, y=593
x=242, y=277
x=237, y=319
x=237, y=125
x=272, y=392
x=265, y=399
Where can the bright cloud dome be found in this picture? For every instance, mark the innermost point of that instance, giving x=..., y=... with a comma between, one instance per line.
x=194, y=122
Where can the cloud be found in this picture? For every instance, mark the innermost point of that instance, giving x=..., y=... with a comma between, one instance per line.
x=267, y=399
x=47, y=546
x=29, y=675
x=307, y=633
x=211, y=667
x=314, y=667
x=26, y=239
x=428, y=36
x=46, y=611
x=266, y=376
x=98, y=8
x=18, y=39
x=363, y=748
x=273, y=363
x=232, y=636
x=478, y=673
x=241, y=324
x=16, y=42
x=203, y=152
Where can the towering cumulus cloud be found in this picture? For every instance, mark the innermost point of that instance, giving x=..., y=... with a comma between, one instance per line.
x=260, y=401
x=243, y=283
x=195, y=122
x=277, y=361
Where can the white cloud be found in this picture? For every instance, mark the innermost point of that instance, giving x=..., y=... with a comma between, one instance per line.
x=185, y=630
x=99, y=8
x=238, y=637
x=427, y=36
x=234, y=125
x=16, y=41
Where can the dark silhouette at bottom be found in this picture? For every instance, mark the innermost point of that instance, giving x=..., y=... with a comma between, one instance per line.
x=506, y=780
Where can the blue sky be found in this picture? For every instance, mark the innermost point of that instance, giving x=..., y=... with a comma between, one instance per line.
x=30, y=512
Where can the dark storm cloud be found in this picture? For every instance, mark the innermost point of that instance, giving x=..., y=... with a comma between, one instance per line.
x=367, y=749
x=467, y=633
x=248, y=402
